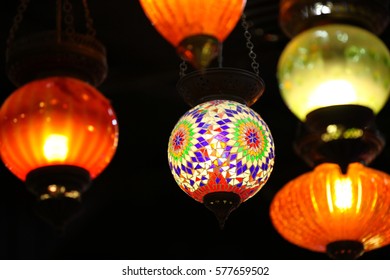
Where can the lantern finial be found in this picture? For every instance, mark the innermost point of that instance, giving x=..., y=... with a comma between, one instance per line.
x=345, y=250
x=221, y=204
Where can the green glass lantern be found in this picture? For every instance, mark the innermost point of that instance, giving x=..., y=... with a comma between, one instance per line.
x=334, y=64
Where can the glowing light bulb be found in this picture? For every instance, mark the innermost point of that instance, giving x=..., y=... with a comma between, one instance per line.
x=342, y=196
x=56, y=147
x=332, y=92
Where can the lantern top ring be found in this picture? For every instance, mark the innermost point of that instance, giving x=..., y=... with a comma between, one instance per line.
x=220, y=83
x=44, y=54
x=297, y=15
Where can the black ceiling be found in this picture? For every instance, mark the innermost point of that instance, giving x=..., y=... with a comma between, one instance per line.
x=134, y=209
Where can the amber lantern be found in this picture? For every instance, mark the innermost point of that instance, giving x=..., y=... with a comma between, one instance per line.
x=343, y=215
x=57, y=134
x=194, y=28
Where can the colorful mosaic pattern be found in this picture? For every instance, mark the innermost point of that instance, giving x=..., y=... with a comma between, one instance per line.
x=221, y=145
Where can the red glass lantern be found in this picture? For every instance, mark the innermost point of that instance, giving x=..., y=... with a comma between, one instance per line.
x=57, y=134
x=343, y=215
x=194, y=28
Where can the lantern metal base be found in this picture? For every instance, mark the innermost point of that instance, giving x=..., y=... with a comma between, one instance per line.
x=221, y=204
x=58, y=189
x=297, y=15
x=45, y=54
x=220, y=83
x=340, y=134
x=199, y=50
x=345, y=250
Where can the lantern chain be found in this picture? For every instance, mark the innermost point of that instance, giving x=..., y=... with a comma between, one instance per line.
x=183, y=68
x=23, y=4
x=220, y=57
x=68, y=18
x=89, y=22
x=249, y=44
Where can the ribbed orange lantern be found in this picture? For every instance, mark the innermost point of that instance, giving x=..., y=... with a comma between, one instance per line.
x=57, y=134
x=194, y=28
x=343, y=215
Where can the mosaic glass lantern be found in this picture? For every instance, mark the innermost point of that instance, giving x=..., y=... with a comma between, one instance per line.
x=57, y=134
x=343, y=215
x=221, y=153
x=194, y=28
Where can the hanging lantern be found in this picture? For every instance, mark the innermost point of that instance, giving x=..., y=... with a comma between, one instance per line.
x=221, y=153
x=194, y=28
x=343, y=215
x=57, y=134
x=334, y=75
x=334, y=64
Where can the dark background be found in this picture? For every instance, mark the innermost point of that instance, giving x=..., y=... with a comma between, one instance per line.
x=134, y=209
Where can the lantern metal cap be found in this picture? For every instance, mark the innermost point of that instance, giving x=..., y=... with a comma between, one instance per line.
x=44, y=54
x=199, y=50
x=220, y=83
x=345, y=250
x=221, y=204
x=297, y=15
x=340, y=134
x=58, y=189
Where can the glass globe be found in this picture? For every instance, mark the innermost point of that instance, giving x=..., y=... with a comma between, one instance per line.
x=325, y=207
x=334, y=64
x=221, y=146
x=194, y=28
x=57, y=121
x=176, y=20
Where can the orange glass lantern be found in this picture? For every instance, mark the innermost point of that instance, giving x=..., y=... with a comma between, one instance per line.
x=57, y=134
x=194, y=28
x=343, y=215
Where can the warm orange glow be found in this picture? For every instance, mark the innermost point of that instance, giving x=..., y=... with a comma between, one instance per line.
x=56, y=148
x=176, y=20
x=324, y=206
x=57, y=120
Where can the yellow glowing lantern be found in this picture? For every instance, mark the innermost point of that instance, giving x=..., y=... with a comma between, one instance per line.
x=334, y=64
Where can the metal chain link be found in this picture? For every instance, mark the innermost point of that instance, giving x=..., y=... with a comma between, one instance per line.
x=23, y=4
x=249, y=44
x=68, y=18
x=183, y=68
x=220, y=57
x=89, y=22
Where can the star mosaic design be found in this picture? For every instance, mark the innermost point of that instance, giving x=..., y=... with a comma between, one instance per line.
x=221, y=145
